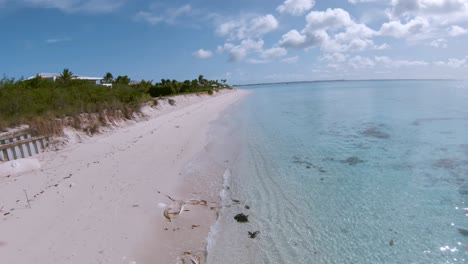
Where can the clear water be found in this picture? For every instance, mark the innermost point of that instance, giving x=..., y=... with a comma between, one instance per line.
x=349, y=172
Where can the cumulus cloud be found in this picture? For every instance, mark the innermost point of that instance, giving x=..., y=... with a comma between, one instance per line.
x=439, y=43
x=412, y=28
x=429, y=7
x=293, y=39
x=455, y=31
x=291, y=60
x=425, y=19
x=240, y=52
x=391, y=63
x=296, y=7
x=169, y=16
x=202, y=54
x=454, y=63
x=274, y=53
x=333, y=30
x=247, y=28
x=359, y=62
x=334, y=57
x=73, y=6
x=364, y=1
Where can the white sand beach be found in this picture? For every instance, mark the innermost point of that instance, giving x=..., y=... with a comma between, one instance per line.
x=102, y=200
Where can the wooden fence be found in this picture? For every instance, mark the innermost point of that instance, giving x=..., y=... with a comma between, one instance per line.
x=21, y=144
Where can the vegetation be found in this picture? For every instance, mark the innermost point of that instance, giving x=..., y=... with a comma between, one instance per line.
x=44, y=104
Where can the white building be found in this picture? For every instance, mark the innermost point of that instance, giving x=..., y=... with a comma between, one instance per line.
x=55, y=76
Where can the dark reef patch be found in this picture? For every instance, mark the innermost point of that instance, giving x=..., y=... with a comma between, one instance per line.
x=463, y=190
x=448, y=163
x=308, y=164
x=375, y=132
x=352, y=161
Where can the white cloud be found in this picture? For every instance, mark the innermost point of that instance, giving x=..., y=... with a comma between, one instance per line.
x=73, y=6
x=364, y=1
x=257, y=61
x=169, y=16
x=240, y=52
x=455, y=31
x=202, y=54
x=454, y=63
x=274, y=53
x=391, y=63
x=333, y=30
x=57, y=40
x=454, y=8
x=384, y=46
x=296, y=7
x=359, y=62
x=334, y=57
x=329, y=19
x=439, y=43
x=291, y=60
x=415, y=27
x=148, y=17
x=293, y=39
x=247, y=28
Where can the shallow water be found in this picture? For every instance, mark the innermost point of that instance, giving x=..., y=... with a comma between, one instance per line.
x=348, y=172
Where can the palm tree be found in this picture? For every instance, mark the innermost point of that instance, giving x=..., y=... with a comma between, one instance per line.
x=123, y=80
x=108, y=78
x=66, y=76
x=201, y=79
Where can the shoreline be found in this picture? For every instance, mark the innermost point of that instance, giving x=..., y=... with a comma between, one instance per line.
x=102, y=200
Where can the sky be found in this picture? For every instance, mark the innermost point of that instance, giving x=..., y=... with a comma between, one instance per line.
x=243, y=41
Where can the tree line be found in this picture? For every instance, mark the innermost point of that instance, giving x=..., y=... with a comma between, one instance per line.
x=24, y=101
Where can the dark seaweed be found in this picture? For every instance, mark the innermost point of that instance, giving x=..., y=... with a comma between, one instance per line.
x=253, y=234
x=242, y=218
x=375, y=133
x=352, y=161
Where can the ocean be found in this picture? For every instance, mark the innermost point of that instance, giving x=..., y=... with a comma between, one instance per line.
x=347, y=172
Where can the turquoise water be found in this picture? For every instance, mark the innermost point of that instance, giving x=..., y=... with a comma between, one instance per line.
x=348, y=172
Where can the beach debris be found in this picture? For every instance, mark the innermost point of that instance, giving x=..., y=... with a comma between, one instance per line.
x=242, y=218
x=235, y=201
x=463, y=231
x=391, y=243
x=191, y=258
x=170, y=198
x=173, y=210
x=253, y=234
x=195, y=226
x=247, y=207
x=27, y=199
x=196, y=202
x=352, y=161
x=375, y=133
x=178, y=206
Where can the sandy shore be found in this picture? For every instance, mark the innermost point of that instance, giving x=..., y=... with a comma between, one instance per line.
x=102, y=200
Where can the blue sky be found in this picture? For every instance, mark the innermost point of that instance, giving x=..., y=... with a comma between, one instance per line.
x=244, y=41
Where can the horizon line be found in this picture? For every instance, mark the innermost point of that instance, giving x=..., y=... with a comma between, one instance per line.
x=351, y=80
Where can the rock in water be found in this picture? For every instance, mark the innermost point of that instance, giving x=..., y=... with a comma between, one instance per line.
x=242, y=218
x=253, y=234
x=463, y=231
